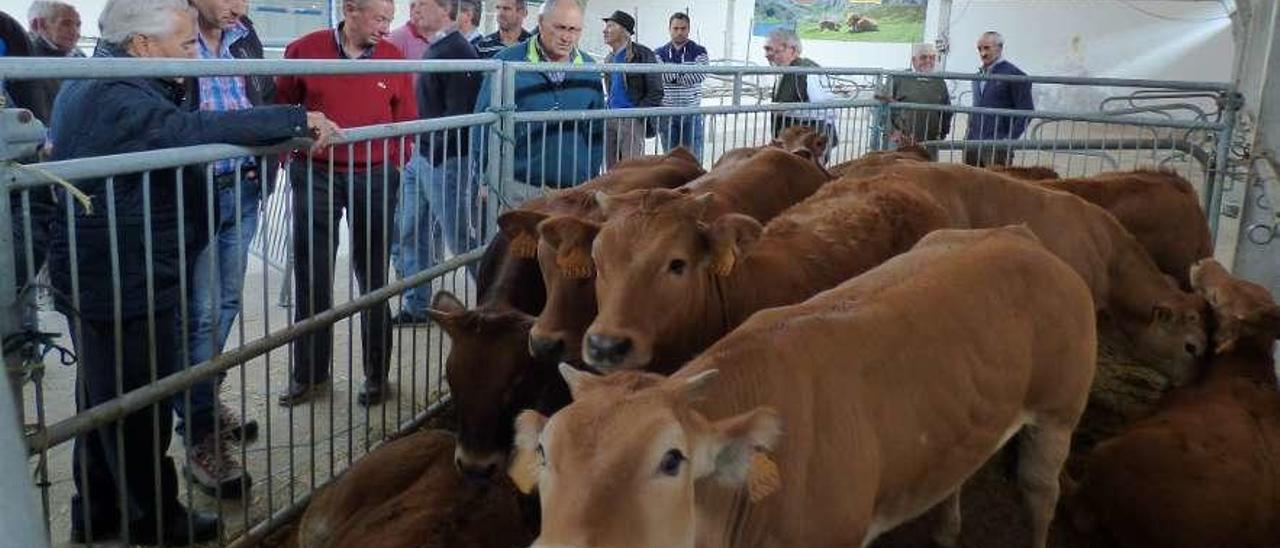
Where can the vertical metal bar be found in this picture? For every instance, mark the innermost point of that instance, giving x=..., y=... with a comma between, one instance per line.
x=1221, y=161
x=737, y=88
x=507, y=105
x=81, y=382
x=10, y=305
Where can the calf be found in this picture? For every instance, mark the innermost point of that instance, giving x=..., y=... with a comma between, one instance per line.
x=1160, y=209
x=669, y=282
x=408, y=494
x=1027, y=173
x=858, y=409
x=491, y=375
x=872, y=163
x=1204, y=470
x=760, y=187
x=1165, y=323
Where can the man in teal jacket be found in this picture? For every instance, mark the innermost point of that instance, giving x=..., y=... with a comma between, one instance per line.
x=554, y=154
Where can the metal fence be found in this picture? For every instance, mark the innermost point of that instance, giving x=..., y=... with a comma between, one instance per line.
x=515, y=153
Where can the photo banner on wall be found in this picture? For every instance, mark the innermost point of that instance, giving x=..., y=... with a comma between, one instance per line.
x=844, y=20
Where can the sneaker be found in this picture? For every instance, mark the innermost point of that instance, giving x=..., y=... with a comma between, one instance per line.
x=213, y=468
x=233, y=428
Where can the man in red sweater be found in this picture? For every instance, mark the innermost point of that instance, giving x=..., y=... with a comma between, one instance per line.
x=362, y=178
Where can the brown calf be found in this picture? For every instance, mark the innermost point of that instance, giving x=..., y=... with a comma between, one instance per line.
x=669, y=283
x=760, y=187
x=490, y=372
x=1165, y=323
x=1204, y=470
x=408, y=494
x=862, y=407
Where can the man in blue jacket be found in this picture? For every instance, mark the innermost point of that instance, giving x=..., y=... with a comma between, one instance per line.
x=123, y=282
x=554, y=155
x=996, y=94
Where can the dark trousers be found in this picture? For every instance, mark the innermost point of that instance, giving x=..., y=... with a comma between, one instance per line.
x=124, y=454
x=988, y=156
x=319, y=198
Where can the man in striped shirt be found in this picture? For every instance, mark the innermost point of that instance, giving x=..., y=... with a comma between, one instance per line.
x=682, y=89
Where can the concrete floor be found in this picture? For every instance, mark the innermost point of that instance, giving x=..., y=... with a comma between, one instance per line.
x=303, y=447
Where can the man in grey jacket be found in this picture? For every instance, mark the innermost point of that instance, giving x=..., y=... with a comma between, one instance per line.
x=624, y=137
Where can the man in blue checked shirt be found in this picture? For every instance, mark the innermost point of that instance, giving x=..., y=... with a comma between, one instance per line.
x=682, y=89
x=217, y=274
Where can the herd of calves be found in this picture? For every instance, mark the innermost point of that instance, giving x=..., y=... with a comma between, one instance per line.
x=778, y=353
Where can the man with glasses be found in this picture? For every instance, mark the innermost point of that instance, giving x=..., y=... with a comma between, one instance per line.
x=783, y=50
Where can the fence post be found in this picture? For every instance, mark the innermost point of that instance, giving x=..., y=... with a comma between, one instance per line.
x=880, y=119
x=737, y=89
x=1231, y=103
x=19, y=518
x=508, y=125
x=493, y=162
x=20, y=136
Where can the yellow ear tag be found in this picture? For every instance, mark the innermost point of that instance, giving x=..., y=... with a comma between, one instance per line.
x=523, y=246
x=524, y=471
x=763, y=477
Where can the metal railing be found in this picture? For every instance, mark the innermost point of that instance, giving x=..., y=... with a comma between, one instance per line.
x=306, y=447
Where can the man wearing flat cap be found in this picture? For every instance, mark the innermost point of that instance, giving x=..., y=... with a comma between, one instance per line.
x=624, y=137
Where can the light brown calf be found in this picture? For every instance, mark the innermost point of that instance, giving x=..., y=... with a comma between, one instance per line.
x=760, y=187
x=408, y=494
x=1204, y=470
x=858, y=409
x=669, y=283
x=1165, y=323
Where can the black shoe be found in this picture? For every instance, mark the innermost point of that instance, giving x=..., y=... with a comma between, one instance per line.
x=406, y=318
x=299, y=392
x=178, y=531
x=371, y=394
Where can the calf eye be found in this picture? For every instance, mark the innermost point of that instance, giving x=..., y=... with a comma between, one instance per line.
x=671, y=462
x=542, y=456
x=676, y=266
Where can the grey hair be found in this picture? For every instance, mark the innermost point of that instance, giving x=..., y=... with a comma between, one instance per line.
x=124, y=19
x=360, y=4
x=46, y=9
x=997, y=36
x=922, y=48
x=550, y=5
x=787, y=37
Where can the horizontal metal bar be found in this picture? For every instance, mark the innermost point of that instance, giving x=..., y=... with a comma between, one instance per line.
x=660, y=112
x=168, y=158
x=161, y=389
x=1061, y=146
x=17, y=68
x=286, y=516
x=649, y=68
x=1072, y=80
x=1052, y=115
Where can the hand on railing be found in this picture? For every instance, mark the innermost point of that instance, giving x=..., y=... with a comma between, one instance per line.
x=322, y=129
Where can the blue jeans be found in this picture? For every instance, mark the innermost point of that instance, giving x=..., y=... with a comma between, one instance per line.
x=437, y=210
x=682, y=131
x=217, y=299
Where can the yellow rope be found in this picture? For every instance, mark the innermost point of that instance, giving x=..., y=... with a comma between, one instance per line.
x=79, y=195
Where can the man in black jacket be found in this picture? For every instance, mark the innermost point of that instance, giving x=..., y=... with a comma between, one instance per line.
x=624, y=137
x=446, y=196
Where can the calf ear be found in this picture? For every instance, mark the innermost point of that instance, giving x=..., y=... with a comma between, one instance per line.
x=683, y=154
x=577, y=379
x=521, y=229
x=447, y=302
x=731, y=236
x=448, y=312
x=742, y=452
x=524, y=468
x=571, y=238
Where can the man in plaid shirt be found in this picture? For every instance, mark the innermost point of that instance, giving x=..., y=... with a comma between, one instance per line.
x=217, y=273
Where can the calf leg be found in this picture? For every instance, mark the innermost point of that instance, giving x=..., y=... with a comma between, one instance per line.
x=1042, y=453
x=946, y=532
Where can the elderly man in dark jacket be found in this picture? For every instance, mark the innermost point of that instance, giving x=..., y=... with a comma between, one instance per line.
x=118, y=265
x=624, y=137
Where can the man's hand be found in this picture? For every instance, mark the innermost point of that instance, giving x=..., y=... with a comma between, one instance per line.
x=322, y=130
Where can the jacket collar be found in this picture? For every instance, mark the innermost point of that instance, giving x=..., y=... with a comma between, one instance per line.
x=535, y=54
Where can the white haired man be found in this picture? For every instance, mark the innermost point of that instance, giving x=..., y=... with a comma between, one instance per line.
x=913, y=126
x=783, y=49
x=55, y=28
x=996, y=94
x=127, y=269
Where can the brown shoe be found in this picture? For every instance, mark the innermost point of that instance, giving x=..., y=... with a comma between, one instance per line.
x=233, y=428
x=212, y=467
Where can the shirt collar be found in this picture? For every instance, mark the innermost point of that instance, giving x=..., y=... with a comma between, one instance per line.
x=229, y=36
x=413, y=31
x=536, y=54
x=993, y=65
x=442, y=33
x=337, y=41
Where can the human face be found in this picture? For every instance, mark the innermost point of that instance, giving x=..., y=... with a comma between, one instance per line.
x=179, y=43
x=559, y=30
x=364, y=26
x=925, y=61
x=467, y=18
x=63, y=29
x=779, y=54
x=434, y=18
x=510, y=17
x=989, y=50
x=679, y=31
x=615, y=35
x=220, y=14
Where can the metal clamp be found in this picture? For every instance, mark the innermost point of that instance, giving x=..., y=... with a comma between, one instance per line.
x=1261, y=233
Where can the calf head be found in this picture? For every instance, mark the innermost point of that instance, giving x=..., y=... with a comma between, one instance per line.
x=1173, y=337
x=619, y=467
x=1243, y=312
x=803, y=141
x=564, y=256
x=491, y=378
x=657, y=266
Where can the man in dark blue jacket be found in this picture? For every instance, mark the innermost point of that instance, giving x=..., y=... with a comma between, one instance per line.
x=118, y=264
x=996, y=94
